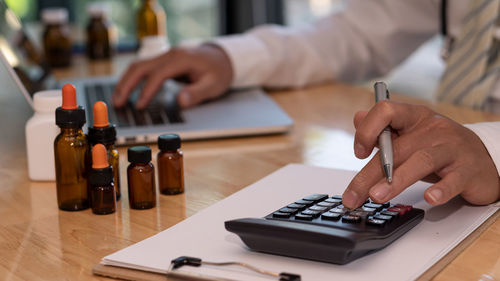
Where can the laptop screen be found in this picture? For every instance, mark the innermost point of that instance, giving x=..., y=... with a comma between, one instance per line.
x=20, y=53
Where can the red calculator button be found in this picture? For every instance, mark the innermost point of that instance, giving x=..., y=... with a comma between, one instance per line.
x=399, y=210
x=407, y=207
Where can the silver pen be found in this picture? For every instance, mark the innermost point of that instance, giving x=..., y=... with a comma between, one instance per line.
x=385, y=138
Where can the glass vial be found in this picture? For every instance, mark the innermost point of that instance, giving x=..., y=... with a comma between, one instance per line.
x=71, y=154
x=56, y=37
x=141, y=178
x=101, y=182
x=151, y=20
x=99, y=44
x=170, y=165
x=105, y=133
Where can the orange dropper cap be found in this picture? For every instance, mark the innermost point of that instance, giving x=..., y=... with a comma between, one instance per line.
x=69, y=97
x=99, y=157
x=100, y=115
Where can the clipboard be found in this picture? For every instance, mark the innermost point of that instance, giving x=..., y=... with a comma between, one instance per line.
x=445, y=232
x=123, y=273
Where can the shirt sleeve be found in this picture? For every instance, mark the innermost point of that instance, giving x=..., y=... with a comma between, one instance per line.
x=364, y=39
x=489, y=133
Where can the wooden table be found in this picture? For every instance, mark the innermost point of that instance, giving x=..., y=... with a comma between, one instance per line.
x=39, y=242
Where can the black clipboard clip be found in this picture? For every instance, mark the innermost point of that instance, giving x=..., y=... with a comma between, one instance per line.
x=197, y=262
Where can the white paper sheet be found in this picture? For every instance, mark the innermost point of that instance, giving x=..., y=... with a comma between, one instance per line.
x=203, y=235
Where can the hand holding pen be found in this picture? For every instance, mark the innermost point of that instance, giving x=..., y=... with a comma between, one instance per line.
x=426, y=146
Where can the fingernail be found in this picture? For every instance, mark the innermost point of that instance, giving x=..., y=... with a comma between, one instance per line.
x=436, y=195
x=350, y=199
x=359, y=149
x=379, y=192
x=184, y=99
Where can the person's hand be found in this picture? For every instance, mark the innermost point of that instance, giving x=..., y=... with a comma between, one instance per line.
x=207, y=68
x=426, y=146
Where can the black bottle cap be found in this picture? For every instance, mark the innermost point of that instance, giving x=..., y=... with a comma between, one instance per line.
x=169, y=142
x=101, y=177
x=66, y=118
x=105, y=135
x=139, y=154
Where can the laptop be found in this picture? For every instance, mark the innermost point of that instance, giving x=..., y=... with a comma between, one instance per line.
x=236, y=113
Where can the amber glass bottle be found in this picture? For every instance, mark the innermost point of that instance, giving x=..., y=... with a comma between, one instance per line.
x=71, y=154
x=151, y=20
x=98, y=33
x=105, y=133
x=141, y=178
x=101, y=182
x=170, y=166
x=56, y=37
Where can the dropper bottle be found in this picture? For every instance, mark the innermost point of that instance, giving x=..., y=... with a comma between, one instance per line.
x=71, y=154
x=101, y=182
x=105, y=133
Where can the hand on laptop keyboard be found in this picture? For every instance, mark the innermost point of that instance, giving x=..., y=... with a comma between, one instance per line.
x=207, y=67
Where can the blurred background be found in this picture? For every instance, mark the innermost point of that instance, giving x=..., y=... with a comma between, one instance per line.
x=187, y=20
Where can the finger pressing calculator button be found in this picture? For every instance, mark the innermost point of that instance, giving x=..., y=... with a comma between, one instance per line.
x=297, y=206
x=331, y=216
x=288, y=210
x=374, y=221
x=281, y=215
x=304, y=202
x=303, y=217
x=376, y=206
x=318, y=208
x=351, y=219
x=312, y=213
x=316, y=197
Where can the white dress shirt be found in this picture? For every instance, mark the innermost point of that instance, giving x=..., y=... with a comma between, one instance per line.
x=365, y=39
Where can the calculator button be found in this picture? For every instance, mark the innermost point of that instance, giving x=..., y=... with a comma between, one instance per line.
x=333, y=200
x=369, y=210
x=339, y=210
x=327, y=204
x=281, y=215
x=316, y=197
x=330, y=216
x=311, y=213
x=297, y=206
x=358, y=213
x=374, y=221
x=383, y=217
x=407, y=207
x=376, y=206
x=288, y=210
x=303, y=217
x=386, y=204
x=304, y=202
x=389, y=213
x=339, y=197
x=318, y=208
x=351, y=219
x=399, y=210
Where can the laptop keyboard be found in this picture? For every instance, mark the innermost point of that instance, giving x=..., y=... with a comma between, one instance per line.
x=157, y=112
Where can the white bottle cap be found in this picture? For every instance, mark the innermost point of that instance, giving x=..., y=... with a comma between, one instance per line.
x=153, y=46
x=54, y=15
x=47, y=101
x=97, y=10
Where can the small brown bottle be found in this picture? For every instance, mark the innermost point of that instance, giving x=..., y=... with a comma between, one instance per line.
x=151, y=20
x=141, y=178
x=56, y=37
x=104, y=133
x=98, y=33
x=170, y=166
x=101, y=182
x=71, y=154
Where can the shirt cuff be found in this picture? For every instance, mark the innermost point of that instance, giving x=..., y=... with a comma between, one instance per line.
x=248, y=55
x=489, y=133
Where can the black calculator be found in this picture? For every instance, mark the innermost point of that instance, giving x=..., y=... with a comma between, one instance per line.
x=318, y=227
